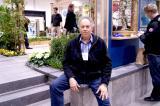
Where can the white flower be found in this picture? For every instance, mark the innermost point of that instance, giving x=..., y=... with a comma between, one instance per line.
x=1, y=33
x=32, y=55
x=46, y=55
x=39, y=55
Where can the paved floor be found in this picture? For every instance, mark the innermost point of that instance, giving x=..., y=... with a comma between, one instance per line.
x=13, y=68
x=140, y=102
x=144, y=103
x=37, y=48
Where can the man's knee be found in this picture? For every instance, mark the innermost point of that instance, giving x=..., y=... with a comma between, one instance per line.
x=54, y=85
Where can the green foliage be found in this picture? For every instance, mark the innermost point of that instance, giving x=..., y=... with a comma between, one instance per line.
x=55, y=57
x=55, y=63
x=9, y=53
x=6, y=26
x=57, y=49
x=58, y=46
x=39, y=39
x=12, y=25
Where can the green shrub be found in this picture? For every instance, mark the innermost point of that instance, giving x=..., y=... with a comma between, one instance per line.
x=9, y=53
x=55, y=57
x=57, y=49
x=12, y=25
x=55, y=63
x=58, y=46
x=39, y=39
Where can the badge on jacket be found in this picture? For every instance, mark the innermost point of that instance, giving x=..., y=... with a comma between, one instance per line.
x=151, y=29
x=159, y=19
x=85, y=56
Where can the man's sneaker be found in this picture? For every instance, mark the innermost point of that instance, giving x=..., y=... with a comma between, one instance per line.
x=29, y=48
x=152, y=99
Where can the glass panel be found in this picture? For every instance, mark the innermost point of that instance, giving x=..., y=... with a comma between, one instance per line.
x=122, y=10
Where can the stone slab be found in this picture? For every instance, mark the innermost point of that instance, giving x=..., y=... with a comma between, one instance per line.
x=25, y=96
x=84, y=97
x=127, y=83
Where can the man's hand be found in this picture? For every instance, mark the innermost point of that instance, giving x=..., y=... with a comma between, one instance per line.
x=140, y=33
x=74, y=85
x=102, y=90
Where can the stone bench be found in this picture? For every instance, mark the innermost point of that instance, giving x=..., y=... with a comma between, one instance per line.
x=84, y=97
x=128, y=83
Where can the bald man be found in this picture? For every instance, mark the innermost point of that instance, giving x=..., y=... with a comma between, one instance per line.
x=86, y=61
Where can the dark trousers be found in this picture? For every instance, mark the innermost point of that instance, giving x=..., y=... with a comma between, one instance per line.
x=61, y=84
x=70, y=31
x=154, y=65
x=26, y=41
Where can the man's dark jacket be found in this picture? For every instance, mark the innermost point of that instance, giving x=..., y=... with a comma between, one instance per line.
x=70, y=22
x=98, y=64
x=151, y=38
x=56, y=19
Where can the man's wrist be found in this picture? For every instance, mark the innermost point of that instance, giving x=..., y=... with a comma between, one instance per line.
x=71, y=78
x=104, y=84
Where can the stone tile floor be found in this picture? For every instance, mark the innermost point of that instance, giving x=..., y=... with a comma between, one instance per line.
x=139, y=102
x=13, y=68
x=37, y=48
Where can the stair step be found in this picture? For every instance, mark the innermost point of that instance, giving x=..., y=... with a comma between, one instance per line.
x=25, y=96
x=46, y=102
x=15, y=79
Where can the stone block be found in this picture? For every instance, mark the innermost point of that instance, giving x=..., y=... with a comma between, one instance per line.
x=84, y=97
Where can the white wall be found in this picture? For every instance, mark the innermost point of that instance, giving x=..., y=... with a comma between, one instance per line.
x=40, y=5
x=1, y=2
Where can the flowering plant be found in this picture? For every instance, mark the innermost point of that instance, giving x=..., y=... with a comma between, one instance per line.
x=40, y=58
x=9, y=53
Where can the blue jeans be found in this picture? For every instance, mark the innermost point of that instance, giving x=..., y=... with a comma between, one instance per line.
x=154, y=65
x=61, y=84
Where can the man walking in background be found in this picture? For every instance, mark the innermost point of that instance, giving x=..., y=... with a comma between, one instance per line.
x=56, y=20
x=70, y=23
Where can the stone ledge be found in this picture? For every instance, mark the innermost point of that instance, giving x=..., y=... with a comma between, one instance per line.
x=128, y=83
x=50, y=72
x=117, y=73
x=122, y=71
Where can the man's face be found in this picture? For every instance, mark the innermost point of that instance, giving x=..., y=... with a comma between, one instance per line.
x=149, y=15
x=85, y=28
x=55, y=11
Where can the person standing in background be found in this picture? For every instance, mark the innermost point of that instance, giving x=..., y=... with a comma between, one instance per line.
x=70, y=23
x=151, y=40
x=26, y=41
x=56, y=20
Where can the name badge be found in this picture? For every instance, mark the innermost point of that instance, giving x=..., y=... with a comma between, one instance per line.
x=85, y=56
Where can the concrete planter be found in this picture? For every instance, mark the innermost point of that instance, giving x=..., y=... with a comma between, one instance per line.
x=128, y=83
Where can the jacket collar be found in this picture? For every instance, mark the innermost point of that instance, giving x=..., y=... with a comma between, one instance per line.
x=90, y=40
x=94, y=38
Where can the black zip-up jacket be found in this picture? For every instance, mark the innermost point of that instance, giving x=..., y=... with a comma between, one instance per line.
x=98, y=64
x=151, y=38
x=70, y=22
x=56, y=19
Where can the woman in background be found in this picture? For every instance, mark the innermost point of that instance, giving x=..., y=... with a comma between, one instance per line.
x=70, y=23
